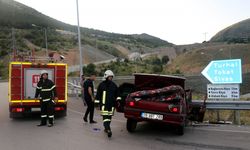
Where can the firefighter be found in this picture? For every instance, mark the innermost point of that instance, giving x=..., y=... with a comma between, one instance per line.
x=107, y=94
x=47, y=91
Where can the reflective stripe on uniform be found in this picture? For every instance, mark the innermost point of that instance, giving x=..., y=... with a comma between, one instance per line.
x=103, y=112
x=39, y=87
x=51, y=116
x=97, y=101
x=106, y=120
x=104, y=97
x=43, y=116
x=111, y=112
x=103, y=108
x=118, y=98
x=45, y=100
x=108, y=113
x=49, y=89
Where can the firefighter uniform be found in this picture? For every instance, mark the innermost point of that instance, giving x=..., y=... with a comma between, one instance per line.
x=47, y=91
x=107, y=94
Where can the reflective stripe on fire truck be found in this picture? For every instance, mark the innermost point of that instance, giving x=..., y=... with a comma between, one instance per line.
x=32, y=101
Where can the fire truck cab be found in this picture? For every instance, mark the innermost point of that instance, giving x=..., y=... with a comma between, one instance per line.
x=23, y=79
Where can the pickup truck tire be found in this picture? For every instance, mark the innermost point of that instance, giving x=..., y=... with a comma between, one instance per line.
x=131, y=125
x=179, y=130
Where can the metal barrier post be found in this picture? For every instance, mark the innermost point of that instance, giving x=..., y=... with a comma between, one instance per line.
x=237, y=117
x=218, y=114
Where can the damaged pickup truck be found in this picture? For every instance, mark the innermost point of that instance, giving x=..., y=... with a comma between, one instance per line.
x=159, y=99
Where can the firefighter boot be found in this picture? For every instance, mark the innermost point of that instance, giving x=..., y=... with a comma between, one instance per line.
x=107, y=129
x=51, y=121
x=109, y=132
x=43, y=122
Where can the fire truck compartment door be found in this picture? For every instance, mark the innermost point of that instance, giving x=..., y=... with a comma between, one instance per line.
x=31, y=78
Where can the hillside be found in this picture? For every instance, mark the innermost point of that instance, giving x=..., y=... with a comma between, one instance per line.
x=20, y=25
x=195, y=60
x=236, y=33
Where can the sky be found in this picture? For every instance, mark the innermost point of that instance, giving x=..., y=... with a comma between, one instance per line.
x=176, y=21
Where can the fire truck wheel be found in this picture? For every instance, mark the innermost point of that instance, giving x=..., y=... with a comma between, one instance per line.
x=179, y=130
x=131, y=125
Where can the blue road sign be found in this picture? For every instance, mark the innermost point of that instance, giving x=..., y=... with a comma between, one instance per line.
x=224, y=71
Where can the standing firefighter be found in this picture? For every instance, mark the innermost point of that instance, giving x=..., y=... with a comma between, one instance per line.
x=107, y=94
x=47, y=91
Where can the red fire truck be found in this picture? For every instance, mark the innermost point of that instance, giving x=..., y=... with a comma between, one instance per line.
x=23, y=79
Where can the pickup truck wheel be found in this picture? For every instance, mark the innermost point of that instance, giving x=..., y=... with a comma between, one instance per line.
x=131, y=125
x=180, y=130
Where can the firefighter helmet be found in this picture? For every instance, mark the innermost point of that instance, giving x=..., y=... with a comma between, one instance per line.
x=44, y=72
x=108, y=73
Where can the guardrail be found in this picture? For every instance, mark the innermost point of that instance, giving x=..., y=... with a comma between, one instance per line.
x=225, y=105
x=74, y=90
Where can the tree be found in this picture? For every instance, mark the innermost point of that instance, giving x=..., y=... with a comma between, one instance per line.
x=165, y=59
x=126, y=60
x=89, y=69
x=157, y=69
x=156, y=61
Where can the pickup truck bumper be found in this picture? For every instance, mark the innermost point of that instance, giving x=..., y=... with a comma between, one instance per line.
x=168, y=118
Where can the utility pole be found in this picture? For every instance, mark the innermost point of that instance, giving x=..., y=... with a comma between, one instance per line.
x=205, y=36
x=46, y=42
x=45, y=38
x=79, y=39
x=13, y=43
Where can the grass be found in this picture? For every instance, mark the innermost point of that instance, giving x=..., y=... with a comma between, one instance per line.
x=227, y=115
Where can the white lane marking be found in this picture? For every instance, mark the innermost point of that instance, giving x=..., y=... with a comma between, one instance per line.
x=221, y=130
x=80, y=113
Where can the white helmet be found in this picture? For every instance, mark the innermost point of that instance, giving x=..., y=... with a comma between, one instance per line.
x=44, y=72
x=108, y=73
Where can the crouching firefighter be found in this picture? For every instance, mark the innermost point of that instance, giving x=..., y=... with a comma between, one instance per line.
x=107, y=94
x=47, y=91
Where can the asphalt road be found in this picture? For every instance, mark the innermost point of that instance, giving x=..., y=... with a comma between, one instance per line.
x=70, y=133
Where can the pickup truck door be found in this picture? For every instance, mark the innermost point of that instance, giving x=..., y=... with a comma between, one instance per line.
x=196, y=111
x=124, y=90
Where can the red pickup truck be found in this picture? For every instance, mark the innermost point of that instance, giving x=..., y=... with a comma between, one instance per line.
x=159, y=99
